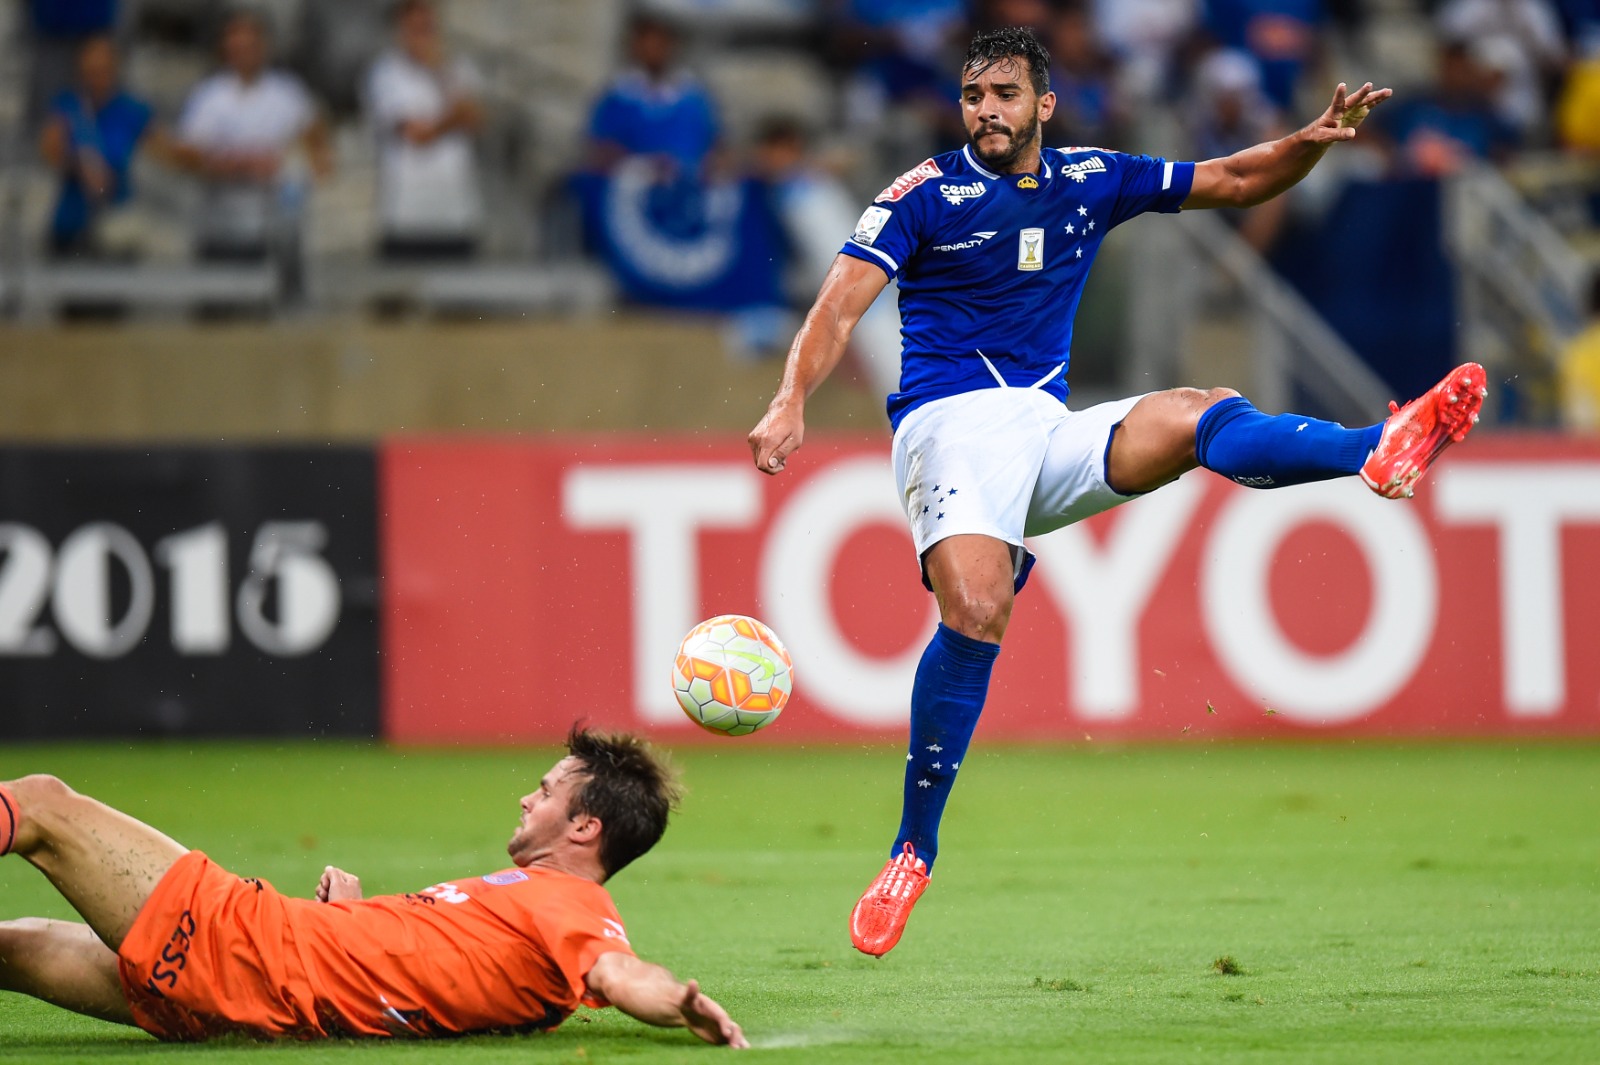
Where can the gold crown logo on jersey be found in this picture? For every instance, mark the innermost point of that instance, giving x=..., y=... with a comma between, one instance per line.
x=1027, y=182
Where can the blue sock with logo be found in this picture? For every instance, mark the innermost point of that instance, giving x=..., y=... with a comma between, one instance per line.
x=946, y=699
x=1275, y=450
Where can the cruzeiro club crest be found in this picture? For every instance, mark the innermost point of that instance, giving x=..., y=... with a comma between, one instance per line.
x=1027, y=182
x=1030, y=249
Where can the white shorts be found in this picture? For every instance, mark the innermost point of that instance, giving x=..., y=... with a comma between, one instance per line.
x=1006, y=463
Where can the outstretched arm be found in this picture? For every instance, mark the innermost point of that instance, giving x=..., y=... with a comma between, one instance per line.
x=653, y=995
x=1257, y=174
x=848, y=290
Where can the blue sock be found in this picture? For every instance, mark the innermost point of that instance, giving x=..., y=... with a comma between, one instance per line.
x=1274, y=450
x=952, y=681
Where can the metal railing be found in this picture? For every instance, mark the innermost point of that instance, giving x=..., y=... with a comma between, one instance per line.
x=1294, y=354
x=1521, y=283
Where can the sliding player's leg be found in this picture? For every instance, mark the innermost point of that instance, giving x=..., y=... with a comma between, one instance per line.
x=63, y=963
x=103, y=862
x=973, y=578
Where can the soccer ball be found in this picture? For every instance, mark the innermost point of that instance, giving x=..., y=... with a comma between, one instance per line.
x=732, y=675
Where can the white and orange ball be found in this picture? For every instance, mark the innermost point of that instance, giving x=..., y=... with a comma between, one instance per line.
x=732, y=675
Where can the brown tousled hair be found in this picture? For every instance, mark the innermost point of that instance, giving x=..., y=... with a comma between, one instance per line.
x=629, y=787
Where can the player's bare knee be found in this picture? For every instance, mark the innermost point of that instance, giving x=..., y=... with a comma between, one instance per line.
x=1190, y=404
x=44, y=800
x=18, y=938
x=1194, y=402
x=978, y=617
x=40, y=791
x=22, y=930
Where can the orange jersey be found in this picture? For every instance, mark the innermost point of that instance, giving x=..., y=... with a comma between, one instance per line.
x=211, y=953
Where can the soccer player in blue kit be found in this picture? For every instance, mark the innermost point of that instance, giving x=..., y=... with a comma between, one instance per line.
x=991, y=246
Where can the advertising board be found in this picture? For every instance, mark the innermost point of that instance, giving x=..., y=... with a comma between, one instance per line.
x=530, y=584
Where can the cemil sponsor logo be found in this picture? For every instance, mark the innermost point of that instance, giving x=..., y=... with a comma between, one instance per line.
x=1079, y=172
x=962, y=245
x=957, y=193
x=909, y=180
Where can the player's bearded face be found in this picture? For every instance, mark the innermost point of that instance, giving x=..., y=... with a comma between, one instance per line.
x=1001, y=112
x=999, y=145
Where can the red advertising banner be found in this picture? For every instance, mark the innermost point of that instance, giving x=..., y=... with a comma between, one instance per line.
x=529, y=584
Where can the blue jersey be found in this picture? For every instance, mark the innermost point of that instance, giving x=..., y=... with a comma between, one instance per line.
x=991, y=267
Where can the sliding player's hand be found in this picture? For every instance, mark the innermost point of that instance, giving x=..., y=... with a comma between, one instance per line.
x=777, y=436
x=708, y=1020
x=1346, y=112
x=337, y=885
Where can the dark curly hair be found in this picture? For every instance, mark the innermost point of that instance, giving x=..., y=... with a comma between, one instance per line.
x=1010, y=42
x=628, y=787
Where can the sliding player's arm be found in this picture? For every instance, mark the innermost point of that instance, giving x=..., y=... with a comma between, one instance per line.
x=653, y=995
x=848, y=290
x=1257, y=174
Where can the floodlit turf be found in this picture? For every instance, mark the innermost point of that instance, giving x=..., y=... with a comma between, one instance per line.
x=1317, y=903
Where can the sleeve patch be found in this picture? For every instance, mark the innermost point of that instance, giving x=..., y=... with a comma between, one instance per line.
x=870, y=225
x=909, y=180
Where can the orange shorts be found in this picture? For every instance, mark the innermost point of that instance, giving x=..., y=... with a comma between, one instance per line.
x=211, y=954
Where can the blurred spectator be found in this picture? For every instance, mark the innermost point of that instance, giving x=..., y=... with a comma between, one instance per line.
x=1580, y=371
x=1528, y=33
x=1434, y=134
x=90, y=138
x=1229, y=111
x=898, y=54
x=1144, y=36
x=1089, y=108
x=426, y=109
x=1283, y=36
x=239, y=131
x=673, y=224
x=815, y=208
x=57, y=29
x=1578, y=109
x=1580, y=21
x=1578, y=106
x=654, y=107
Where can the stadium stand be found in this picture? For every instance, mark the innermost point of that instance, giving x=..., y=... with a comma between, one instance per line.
x=541, y=67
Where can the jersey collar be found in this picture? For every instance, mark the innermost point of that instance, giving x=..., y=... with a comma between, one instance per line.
x=972, y=161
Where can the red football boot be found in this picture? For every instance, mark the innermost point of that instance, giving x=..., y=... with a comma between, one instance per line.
x=1414, y=435
x=880, y=916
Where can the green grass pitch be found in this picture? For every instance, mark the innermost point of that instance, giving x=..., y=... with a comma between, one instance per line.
x=1405, y=903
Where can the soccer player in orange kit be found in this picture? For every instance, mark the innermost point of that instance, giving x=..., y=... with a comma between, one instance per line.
x=186, y=950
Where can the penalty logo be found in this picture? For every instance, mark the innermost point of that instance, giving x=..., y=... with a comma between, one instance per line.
x=962, y=245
